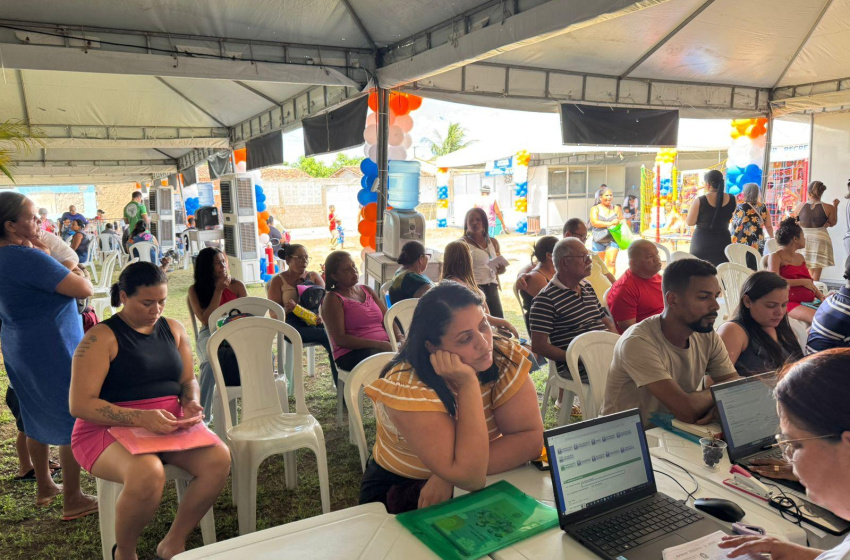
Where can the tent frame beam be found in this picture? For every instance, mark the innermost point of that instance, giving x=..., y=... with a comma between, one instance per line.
x=101, y=132
x=30, y=163
x=805, y=40
x=667, y=38
x=359, y=23
x=189, y=100
x=618, y=91
x=256, y=92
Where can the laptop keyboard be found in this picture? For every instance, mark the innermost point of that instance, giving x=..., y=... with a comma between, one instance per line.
x=637, y=526
x=774, y=453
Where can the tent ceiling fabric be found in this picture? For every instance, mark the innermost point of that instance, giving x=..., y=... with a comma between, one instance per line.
x=730, y=54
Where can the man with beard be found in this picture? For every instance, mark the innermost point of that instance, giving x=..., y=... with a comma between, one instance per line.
x=637, y=294
x=660, y=362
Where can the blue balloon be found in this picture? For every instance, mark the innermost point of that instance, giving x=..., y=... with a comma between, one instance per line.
x=261, y=207
x=442, y=223
x=365, y=197
x=367, y=181
x=752, y=169
x=369, y=168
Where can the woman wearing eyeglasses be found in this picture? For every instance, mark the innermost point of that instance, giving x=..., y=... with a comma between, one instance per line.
x=410, y=281
x=814, y=423
x=283, y=290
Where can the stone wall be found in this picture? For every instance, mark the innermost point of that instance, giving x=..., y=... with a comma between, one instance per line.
x=113, y=198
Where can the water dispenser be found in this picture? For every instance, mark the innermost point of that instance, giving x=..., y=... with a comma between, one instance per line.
x=401, y=226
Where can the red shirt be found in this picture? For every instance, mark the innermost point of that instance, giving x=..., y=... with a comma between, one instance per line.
x=633, y=297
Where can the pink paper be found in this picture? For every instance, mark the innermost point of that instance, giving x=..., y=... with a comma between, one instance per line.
x=139, y=440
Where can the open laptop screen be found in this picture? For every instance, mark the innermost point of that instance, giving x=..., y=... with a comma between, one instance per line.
x=747, y=413
x=597, y=463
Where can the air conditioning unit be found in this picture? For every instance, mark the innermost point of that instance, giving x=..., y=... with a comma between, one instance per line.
x=241, y=235
x=161, y=211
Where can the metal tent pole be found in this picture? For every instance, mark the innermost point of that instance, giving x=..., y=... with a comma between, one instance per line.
x=383, y=167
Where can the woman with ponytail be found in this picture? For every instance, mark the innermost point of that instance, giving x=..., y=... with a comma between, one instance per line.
x=41, y=329
x=410, y=281
x=135, y=369
x=711, y=214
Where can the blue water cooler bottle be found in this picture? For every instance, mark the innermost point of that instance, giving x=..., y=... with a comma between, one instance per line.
x=403, y=223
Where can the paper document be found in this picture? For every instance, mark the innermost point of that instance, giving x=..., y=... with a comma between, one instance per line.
x=702, y=549
x=497, y=262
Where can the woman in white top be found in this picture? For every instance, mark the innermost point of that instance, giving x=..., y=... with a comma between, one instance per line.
x=814, y=421
x=484, y=249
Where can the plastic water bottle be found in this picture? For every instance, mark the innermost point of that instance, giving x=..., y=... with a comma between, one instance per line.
x=403, y=184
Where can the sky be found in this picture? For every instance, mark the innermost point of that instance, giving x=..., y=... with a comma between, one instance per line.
x=521, y=127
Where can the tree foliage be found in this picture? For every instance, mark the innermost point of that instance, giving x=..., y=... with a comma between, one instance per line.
x=453, y=140
x=15, y=137
x=315, y=168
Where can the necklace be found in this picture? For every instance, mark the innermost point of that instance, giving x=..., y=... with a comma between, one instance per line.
x=474, y=242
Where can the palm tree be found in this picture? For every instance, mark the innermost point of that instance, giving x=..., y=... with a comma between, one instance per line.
x=453, y=141
x=15, y=137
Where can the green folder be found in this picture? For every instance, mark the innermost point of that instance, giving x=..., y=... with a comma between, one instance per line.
x=477, y=524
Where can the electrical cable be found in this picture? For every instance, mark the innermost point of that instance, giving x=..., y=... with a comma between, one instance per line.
x=671, y=477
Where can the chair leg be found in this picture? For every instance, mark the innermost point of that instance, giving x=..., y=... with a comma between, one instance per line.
x=340, y=405
x=218, y=417
x=290, y=469
x=311, y=361
x=288, y=368
x=566, y=407
x=322, y=464
x=246, y=504
x=107, y=498
x=547, y=392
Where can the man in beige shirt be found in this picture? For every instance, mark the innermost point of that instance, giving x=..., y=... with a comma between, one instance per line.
x=659, y=363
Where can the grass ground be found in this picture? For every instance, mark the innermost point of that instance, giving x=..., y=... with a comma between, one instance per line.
x=28, y=532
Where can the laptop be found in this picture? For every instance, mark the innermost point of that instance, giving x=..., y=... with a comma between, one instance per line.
x=606, y=495
x=748, y=417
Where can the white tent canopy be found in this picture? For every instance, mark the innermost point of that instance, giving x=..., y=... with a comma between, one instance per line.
x=124, y=89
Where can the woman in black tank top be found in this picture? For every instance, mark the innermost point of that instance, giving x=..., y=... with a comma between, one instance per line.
x=135, y=369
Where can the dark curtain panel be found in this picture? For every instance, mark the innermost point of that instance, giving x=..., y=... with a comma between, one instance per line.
x=618, y=126
x=265, y=151
x=335, y=130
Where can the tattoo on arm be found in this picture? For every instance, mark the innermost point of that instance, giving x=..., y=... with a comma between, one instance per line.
x=118, y=415
x=84, y=345
x=185, y=388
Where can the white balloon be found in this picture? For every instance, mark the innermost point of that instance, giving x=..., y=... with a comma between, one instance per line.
x=373, y=153
x=404, y=122
x=366, y=147
x=241, y=167
x=264, y=238
x=761, y=141
x=395, y=136
x=407, y=142
x=370, y=135
x=372, y=119
x=397, y=152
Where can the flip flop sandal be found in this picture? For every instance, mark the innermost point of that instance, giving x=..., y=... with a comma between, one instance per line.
x=29, y=477
x=78, y=515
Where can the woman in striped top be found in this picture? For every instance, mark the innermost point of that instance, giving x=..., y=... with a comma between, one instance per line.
x=455, y=405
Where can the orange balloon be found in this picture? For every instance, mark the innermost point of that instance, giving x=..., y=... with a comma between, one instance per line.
x=370, y=212
x=241, y=155
x=413, y=102
x=264, y=215
x=399, y=104
x=367, y=241
x=368, y=228
x=373, y=101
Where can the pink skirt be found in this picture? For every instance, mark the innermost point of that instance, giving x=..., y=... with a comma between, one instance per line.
x=88, y=439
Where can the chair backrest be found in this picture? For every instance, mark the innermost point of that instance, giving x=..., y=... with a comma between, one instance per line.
x=596, y=352
x=252, y=340
x=732, y=277
x=517, y=296
x=108, y=243
x=107, y=271
x=605, y=298
x=363, y=374
x=385, y=292
x=737, y=253
x=144, y=250
x=256, y=306
x=679, y=255
x=771, y=246
x=662, y=250
x=129, y=262
x=192, y=317
x=91, y=251
x=403, y=312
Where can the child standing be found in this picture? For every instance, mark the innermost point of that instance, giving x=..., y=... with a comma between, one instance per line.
x=340, y=234
x=332, y=221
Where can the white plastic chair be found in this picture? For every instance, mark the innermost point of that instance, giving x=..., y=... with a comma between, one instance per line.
x=771, y=246
x=403, y=313
x=258, y=307
x=737, y=254
x=824, y=289
x=385, y=292
x=732, y=278
x=596, y=351
x=679, y=255
x=91, y=254
x=363, y=374
x=265, y=429
x=143, y=250
x=107, y=499
x=663, y=250
x=192, y=318
x=554, y=384
x=309, y=347
x=604, y=301
x=101, y=288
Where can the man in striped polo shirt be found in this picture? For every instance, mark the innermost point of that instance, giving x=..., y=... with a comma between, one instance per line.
x=831, y=325
x=567, y=306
